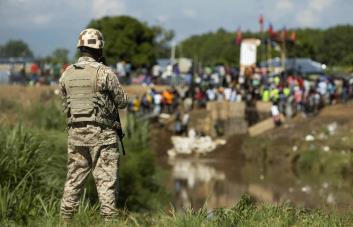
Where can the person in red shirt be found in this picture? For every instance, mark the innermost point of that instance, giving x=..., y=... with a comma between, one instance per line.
x=199, y=97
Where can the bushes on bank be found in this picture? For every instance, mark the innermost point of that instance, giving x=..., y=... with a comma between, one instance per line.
x=33, y=168
x=24, y=178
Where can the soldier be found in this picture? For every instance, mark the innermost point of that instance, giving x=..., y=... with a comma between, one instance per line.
x=91, y=95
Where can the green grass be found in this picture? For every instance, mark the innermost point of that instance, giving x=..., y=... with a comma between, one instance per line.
x=28, y=176
x=245, y=213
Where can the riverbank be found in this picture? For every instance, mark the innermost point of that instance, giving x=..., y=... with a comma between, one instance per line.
x=307, y=161
x=320, y=144
x=42, y=132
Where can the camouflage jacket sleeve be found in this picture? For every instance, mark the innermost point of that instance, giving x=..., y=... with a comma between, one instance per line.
x=62, y=91
x=112, y=85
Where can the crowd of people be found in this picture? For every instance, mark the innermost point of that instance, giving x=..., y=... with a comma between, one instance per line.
x=289, y=94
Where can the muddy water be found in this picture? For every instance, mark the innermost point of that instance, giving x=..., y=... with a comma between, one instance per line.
x=221, y=183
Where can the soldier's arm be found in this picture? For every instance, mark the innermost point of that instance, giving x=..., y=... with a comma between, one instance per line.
x=62, y=89
x=62, y=93
x=115, y=89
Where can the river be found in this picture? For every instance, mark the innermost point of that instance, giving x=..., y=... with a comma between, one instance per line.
x=218, y=183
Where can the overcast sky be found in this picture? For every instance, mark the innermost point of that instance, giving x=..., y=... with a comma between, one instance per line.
x=48, y=24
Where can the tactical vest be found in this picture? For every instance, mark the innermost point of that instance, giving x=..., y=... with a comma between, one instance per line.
x=84, y=103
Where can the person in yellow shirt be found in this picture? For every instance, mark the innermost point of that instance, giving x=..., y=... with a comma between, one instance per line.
x=266, y=95
x=168, y=100
x=136, y=105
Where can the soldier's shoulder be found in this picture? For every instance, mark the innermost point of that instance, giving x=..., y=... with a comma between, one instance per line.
x=67, y=69
x=106, y=70
x=104, y=75
x=96, y=64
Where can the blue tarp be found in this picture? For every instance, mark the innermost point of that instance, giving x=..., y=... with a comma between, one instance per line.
x=4, y=77
x=303, y=66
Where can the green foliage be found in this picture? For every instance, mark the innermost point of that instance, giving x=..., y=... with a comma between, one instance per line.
x=25, y=179
x=7, y=105
x=247, y=213
x=336, y=46
x=319, y=162
x=33, y=168
x=15, y=48
x=307, y=161
x=46, y=116
x=211, y=48
x=128, y=39
x=163, y=38
x=140, y=189
x=59, y=56
x=257, y=215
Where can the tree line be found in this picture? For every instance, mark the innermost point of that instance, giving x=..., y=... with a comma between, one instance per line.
x=18, y=48
x=331, y=46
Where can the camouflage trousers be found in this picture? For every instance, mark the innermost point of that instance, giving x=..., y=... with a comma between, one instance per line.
x=103, y=162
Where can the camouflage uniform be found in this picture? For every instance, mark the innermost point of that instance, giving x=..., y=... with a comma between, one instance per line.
x=92, y=147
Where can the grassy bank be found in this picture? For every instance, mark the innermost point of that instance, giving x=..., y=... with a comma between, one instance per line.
x=245, y=213
x=33, y=146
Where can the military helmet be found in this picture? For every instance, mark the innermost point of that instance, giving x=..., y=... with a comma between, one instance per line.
x=91, y=38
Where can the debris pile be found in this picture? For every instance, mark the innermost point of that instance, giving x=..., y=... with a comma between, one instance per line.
x=193, y=144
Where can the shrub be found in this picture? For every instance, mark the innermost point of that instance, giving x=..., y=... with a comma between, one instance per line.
x=23, y=166
x=33, y=169
x=46, y=116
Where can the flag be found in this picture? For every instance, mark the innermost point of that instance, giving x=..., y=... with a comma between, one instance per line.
x=270, y=31
x=261, y=22
x=284, y=34
x=239, y=36
x=293, y=36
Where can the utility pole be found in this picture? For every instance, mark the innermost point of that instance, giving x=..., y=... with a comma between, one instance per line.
x=262, y=37
x=269, y=55
x=283, y=50
x=172, y=54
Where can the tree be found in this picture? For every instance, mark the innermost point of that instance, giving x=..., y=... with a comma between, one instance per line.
x=163, y=39
x=128, y=39
x=59, y=56
x=15, y=48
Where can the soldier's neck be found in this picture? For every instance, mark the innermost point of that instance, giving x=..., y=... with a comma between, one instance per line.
x=88, y=55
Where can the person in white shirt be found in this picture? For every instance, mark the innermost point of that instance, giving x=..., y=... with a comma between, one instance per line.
x=275, y=114
x=157, y=100
x=227, y=93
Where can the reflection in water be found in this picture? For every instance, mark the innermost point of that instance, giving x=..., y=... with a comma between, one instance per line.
x=220, y=183
x=194, y=181
x=191, y=171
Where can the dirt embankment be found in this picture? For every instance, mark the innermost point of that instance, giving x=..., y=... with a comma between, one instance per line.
x=310, y=142
x=25, y=95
